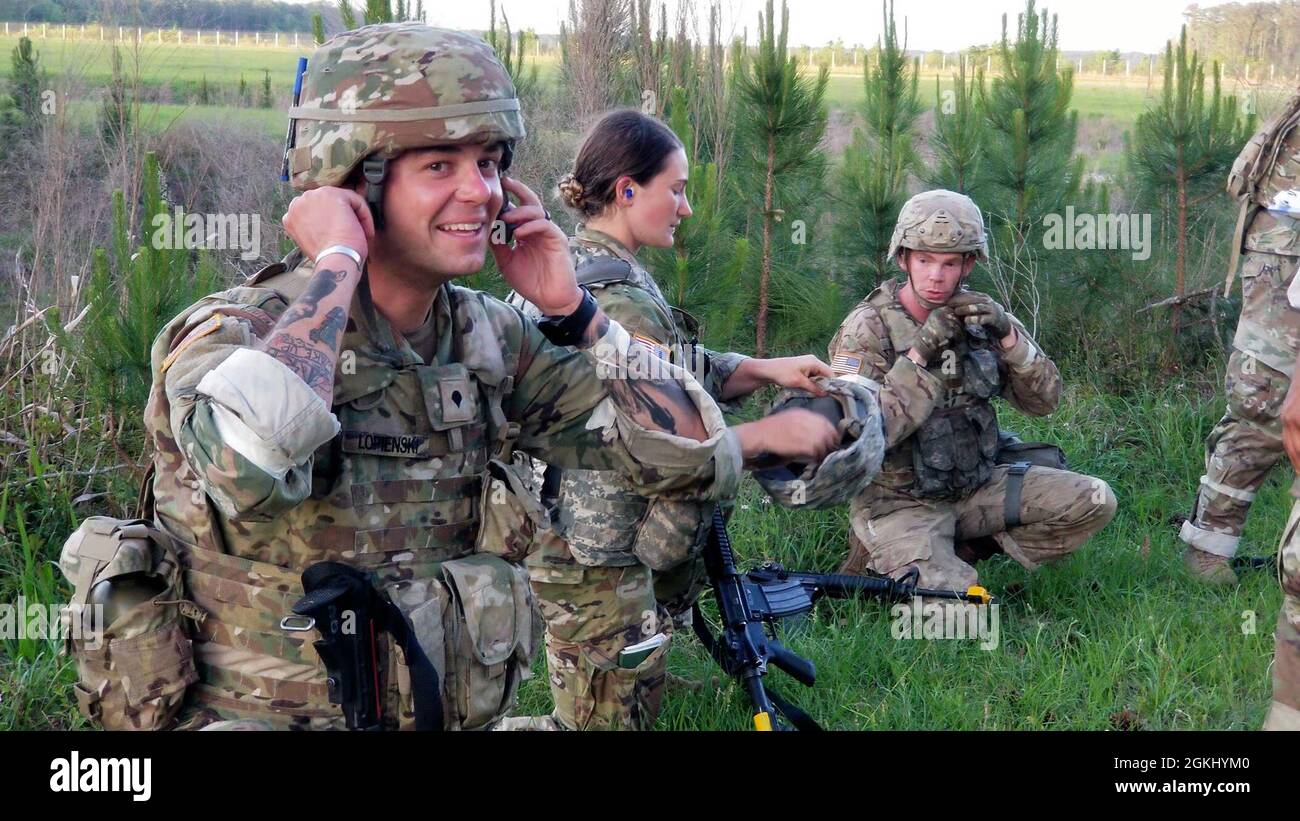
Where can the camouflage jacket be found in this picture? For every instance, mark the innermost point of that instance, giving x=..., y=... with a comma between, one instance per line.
x=873, y=341
x=1269, y=231
x=398, y=486
x=600, y=514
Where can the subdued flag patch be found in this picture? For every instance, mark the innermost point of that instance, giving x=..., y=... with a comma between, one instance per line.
x=843, y=363
x=651, y=347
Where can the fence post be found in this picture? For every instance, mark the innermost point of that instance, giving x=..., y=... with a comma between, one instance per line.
x=295, y=39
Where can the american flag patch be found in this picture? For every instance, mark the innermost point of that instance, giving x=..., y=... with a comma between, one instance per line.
x=651, y=347
x=843, y=364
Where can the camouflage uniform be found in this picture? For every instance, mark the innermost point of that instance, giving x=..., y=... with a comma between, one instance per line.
x=1245, y=444
x=594, y=583
x=1284, y=713
x=416, y=486
x=894, y=528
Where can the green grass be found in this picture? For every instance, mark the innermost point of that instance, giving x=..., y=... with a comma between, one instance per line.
x=1115, y=635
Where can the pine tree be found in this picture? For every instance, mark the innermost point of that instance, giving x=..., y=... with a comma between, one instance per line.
x=347, y=16
x=243, y=91
x=1181, y=148
x=132, y=294
x=958, y=138
x=782, y=118
x=115, y=116
x=205, y=93
x=873, y=186
x=318, y=28
x=704, y=270
x=1030, y=165
x=265, y=101
x=25, y=81
x=510, y=50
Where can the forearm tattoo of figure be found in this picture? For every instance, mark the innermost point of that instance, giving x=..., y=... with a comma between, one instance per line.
x=307, y=343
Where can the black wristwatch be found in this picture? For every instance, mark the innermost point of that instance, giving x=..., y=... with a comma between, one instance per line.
x=567, y=330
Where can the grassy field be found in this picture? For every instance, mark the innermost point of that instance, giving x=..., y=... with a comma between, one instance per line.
x=1116, y=637
x=169, y=63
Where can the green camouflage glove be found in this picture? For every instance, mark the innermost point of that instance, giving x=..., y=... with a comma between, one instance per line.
x=940, y=328
x=980, y=309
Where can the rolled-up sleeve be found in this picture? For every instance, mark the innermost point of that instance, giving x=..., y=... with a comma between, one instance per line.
x=245, y=424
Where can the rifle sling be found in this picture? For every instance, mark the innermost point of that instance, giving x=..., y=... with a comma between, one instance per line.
x=1011, y=502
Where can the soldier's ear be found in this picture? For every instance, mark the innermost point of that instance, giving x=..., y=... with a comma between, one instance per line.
x=901, y=259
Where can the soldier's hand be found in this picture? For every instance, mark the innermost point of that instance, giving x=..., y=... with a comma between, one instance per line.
x=1291, y=425
x=939, y=329
x=794, y=372
x=538, y=267
x=975, y=308
x=795, y=434
x=328, y=216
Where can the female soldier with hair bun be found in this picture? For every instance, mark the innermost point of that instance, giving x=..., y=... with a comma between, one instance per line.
x=625, y=569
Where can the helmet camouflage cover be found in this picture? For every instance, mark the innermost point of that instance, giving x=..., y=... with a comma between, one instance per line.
x=942, y=222
x=845, y=471
x=392, y=87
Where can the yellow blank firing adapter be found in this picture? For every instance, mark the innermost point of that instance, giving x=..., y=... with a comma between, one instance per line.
x=763, y=722
x=977, y=592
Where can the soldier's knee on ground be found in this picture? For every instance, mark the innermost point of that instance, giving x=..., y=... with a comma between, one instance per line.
x=593, y=691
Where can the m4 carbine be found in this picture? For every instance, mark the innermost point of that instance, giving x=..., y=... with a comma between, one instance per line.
x=751, y=602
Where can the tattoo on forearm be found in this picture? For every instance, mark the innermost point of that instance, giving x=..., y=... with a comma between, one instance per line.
x=313, y=366
x=323, y=283
x=313, y=358
x=330, y=328
x=642, y=400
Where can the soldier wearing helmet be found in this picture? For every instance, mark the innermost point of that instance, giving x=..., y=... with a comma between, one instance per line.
x=351, y=404
x=937, y=354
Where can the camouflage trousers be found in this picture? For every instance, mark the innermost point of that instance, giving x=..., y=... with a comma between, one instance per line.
x=1245, y=444
x=891, y=531
x=593, y=613
x=1284, y=713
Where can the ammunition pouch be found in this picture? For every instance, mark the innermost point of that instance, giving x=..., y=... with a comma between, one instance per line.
x=476, y=624
x=126, y=624
x=671, y=533
x=954, y=450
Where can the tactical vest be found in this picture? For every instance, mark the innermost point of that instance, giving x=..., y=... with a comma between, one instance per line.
x=398, y=492
x=954, y=450
x=603, y=518
x=1250, y=171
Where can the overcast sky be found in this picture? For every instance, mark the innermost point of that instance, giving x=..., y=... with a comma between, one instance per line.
x=951, y=25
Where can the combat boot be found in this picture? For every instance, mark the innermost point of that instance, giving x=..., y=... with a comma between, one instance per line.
x=1210, y=568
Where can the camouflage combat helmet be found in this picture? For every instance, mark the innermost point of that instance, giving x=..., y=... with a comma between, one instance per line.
x=942, y=222
x=379, y=90
x=845, y=471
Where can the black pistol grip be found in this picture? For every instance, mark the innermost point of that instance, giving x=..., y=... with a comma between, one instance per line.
x=798, y=667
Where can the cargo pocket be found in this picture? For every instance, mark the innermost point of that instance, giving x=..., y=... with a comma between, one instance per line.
x=618, y=698
x=671, y=533
x=490, y=637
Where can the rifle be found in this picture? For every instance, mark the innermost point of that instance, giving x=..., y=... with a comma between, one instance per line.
x=750, y=604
